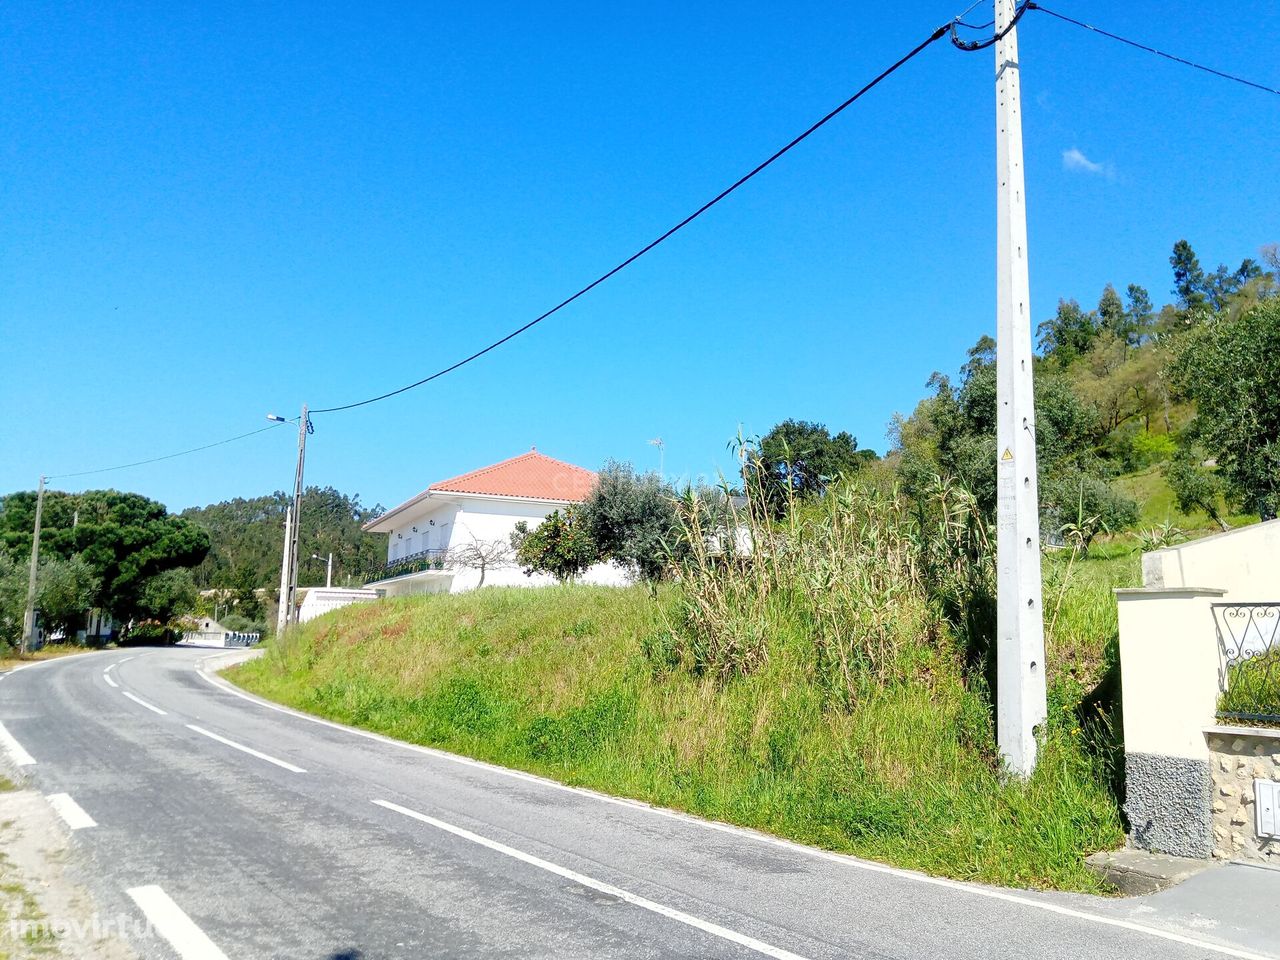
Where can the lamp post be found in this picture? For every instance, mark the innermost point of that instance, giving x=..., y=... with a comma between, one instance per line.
x=328, y=569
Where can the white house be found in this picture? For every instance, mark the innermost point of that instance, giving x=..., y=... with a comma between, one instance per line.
x=435, y=540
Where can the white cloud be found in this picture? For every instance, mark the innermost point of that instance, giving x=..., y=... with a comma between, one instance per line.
x=1074, y=159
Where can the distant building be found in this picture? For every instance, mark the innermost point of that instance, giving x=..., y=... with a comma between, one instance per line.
x=320, y=600
x=434, y=538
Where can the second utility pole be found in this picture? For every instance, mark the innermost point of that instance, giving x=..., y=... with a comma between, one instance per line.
x=304, y=428
x=1020, y=681
x=29, y=613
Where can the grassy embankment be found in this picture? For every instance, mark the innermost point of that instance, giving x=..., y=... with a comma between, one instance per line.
x=564, y=682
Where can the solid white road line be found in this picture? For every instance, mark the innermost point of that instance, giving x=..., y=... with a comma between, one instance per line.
x=70, y=811
x=868, y=866
x=142, y=703
x=12, y=747
x=169, y=920
x=706, y=926
x=249, y=750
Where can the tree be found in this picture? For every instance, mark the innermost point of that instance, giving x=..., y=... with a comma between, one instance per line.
x=1112, y=317
x=125, y=538
x=1227, y=367
x=1069, y=334
x=167, y=596
x=632, y=519
x=803, y=457
x=1195, y=487
x=66, y=590
x=482, y=555
x=1139, y=314
x=1188, y=276
x=561, y=546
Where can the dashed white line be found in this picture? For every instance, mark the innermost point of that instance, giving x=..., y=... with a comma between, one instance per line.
x=249, y=750
x=142, y=703
x=671, y=913
x=107, y=677
x=70, y=811
x=12, y=747
x=867, y=866
x=169, y=920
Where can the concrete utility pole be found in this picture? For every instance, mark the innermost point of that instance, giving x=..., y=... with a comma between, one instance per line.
x=1020, y=683
x=304, y=428
x=282, y=614
x=29, y=615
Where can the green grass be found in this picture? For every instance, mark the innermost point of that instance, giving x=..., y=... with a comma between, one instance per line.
x=556, y=681
x=1254, y=690
x=6, y=784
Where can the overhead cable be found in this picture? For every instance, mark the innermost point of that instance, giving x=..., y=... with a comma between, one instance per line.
x=935, y=35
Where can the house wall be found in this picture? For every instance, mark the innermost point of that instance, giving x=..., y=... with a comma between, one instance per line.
x=1170, y=676
x=1242, y=563
x=469, y=520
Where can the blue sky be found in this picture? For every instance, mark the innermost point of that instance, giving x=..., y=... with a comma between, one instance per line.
x=215, y=211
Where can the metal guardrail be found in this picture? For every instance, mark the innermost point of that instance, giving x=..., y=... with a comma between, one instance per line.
x=413, y=563
x=1249, y=663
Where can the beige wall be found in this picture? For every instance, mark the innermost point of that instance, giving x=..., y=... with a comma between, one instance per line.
x=1245, y=563
x=1168, y=669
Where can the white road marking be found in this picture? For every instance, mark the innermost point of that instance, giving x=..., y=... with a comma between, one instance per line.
x=671, y=913
x=12, y=747
x=749, y=834
x=107, y=677
x=249, y=750
x=169, y=920
x=70, y=811
x=142, y=703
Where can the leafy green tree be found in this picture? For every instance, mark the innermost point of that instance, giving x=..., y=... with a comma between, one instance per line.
x=1196, y=488
x=1070, y=333
x=632, y=518
x=1188, y=276
x=1112, y=317
x=167, y=596
x=125, y=538
x=67, y=589
x=803, y=457
x=1138, y=313
x=1228, y=368
x=561, y=545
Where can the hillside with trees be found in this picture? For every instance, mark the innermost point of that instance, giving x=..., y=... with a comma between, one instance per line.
x=246, y=536
x=1181, y=393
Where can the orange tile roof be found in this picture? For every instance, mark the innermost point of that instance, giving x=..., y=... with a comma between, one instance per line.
x=531, y=474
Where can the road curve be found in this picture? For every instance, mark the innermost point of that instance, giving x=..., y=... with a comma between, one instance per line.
x=239, y=829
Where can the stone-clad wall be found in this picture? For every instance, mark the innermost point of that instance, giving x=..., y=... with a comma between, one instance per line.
x=1238, y=758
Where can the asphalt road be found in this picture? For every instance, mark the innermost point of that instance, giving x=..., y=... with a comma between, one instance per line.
x=239, y=829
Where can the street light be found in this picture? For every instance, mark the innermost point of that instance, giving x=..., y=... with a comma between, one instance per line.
x=328, y=570
x=276, y=418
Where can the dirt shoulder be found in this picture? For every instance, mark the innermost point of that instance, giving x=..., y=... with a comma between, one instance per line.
x=44, y=912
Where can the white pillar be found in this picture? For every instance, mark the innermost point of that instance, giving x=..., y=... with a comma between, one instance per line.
x=1020, y=669
x=282, y=615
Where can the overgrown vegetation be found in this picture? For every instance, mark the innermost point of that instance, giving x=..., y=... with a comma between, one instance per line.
x=828, y=686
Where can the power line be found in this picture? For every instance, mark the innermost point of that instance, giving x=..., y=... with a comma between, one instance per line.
x=935, y=35
x=167, y=456
x=1158, y=53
